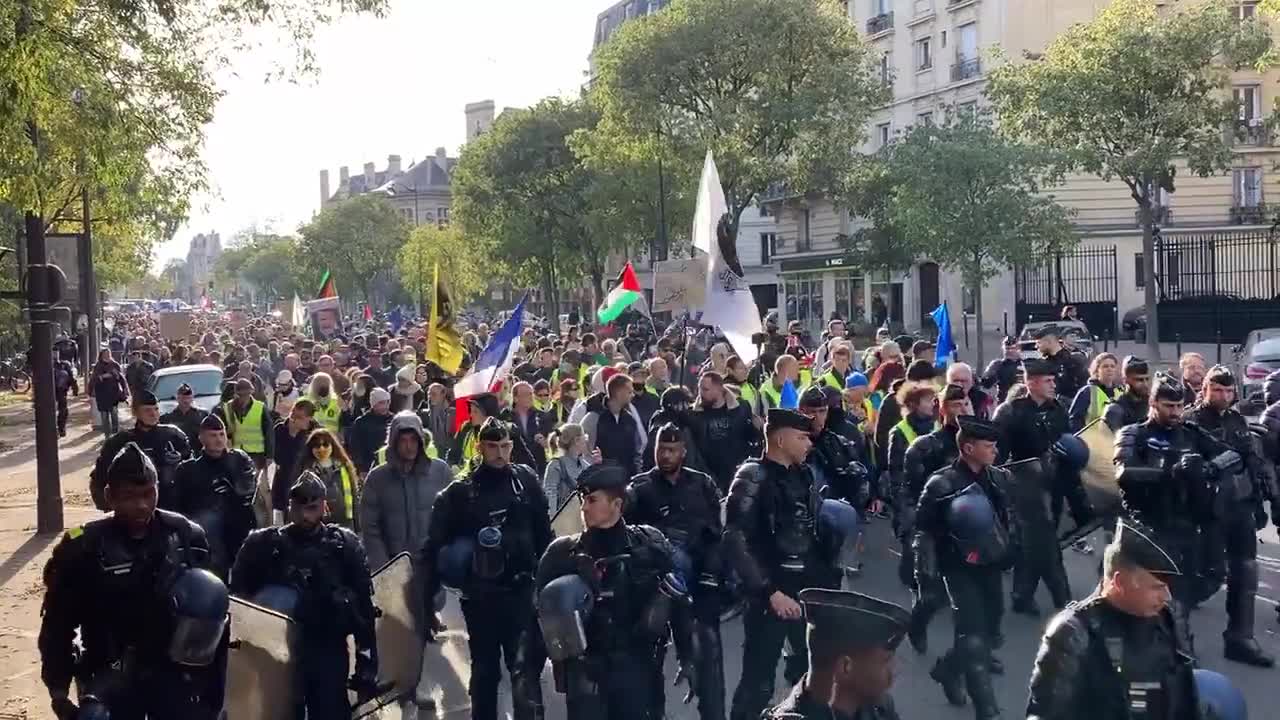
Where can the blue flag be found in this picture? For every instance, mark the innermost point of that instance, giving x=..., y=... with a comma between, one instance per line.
x=946, y=346
x=789, y=399
x=396, y=318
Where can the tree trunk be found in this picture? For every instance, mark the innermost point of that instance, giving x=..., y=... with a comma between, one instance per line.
x=1149, y=294
x=977, y=313
x=597, y=285
x=549, y=293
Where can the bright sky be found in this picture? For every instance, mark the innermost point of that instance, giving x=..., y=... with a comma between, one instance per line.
x=391, y=86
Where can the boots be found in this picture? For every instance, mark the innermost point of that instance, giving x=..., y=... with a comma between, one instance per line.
x=950, y=678
x=1238, y=643
x=710, y=673
x=977, y=658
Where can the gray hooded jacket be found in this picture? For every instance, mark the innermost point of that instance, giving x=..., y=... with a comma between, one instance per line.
x=395, y=506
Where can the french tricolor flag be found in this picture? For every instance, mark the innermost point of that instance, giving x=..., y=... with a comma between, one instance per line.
x=491, y=367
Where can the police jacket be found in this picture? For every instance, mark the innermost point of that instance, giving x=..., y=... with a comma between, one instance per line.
x=770, y=529
x=217, y=493
x=838, y=468
x=114, y=589
x=1099, y=662
x=188, y=422
x=686, y=510
x=938, y=525
x=326, y=565
x=1028, y=429
x=166, y=445
x=1001, y=374
x=1256, y=479
x=509, y=499
x=1270, y=444
x=1070, y=373
x=1158, y=487
x=927, y=455
x=1126, y=409
x=686, y=421
x=800, y=705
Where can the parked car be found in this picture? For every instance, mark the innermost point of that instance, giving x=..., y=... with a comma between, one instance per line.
x=1256, y=358
x=1133, y=326
x=1073, y=333
x=205, y=381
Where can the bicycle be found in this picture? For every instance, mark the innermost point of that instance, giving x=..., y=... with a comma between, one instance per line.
x=14, y=378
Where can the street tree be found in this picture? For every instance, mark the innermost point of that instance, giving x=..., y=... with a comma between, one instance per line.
x=466, y=264
x=355, y=239
x=972, y=200
x=779, y=90
x=1131, y=96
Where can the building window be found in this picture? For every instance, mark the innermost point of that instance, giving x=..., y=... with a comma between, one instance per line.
x=804, y=299
x=924, y=118
x=924, y=53
x=880, y=7
x=942, y=40
x=1246, y=9
x=1248, y=100
x=1139, y=272
x=630, y=10
x=1247, y=184
x=882, y=134
x=970, y=108
x=768, y=246
x=802, y=236
x=967, y=63
x=850, y=299
x=886, y=69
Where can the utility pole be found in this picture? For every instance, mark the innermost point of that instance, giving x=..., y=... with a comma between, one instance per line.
x=40, y=300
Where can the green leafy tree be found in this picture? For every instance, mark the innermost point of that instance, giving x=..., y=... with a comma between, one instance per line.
x=355, y=239
x=779, y=90
x=466, y=264
x=972, y=200
x=1129, y=94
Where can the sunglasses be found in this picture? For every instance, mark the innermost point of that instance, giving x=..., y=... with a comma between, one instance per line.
x=321, y=443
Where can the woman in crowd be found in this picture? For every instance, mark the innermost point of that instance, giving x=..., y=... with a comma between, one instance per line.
x=325, y=456
x=108, y=388
x=561, y=477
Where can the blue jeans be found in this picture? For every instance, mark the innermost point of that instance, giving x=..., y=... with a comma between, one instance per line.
x=110, y=420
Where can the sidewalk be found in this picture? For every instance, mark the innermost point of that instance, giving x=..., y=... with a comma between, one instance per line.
x=968, y=352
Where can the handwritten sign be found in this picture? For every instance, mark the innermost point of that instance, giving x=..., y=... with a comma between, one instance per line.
x=679, y=285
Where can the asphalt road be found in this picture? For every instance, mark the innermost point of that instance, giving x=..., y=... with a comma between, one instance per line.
x=915, y=694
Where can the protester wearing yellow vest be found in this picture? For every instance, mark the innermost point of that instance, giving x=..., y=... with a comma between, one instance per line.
x=249, y=425
x=841, y=367
x=856, y=403
x=326, y=458
x=919, y=418
x=785, y=368
x=1091, y=401
x=747, y=393
x=328, y=407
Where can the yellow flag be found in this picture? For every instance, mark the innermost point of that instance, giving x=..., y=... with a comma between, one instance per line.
x=444, y=343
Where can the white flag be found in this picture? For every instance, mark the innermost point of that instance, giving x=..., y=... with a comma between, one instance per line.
x=729, y=303
x=296, y=316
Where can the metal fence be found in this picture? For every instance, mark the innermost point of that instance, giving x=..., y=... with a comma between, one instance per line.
x=1084, y=276
x=1217, y=286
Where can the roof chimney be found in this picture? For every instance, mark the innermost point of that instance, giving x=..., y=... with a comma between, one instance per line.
x=441, y=154
x=393, y=166
x=370, y=176
x=324, y=187
x=479, y=118
x=344, y=176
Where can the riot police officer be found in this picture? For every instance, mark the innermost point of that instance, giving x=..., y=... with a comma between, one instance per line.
x=500, y=512
x=1240, y=515
x=1120, y=653
x=771, y=541
x=918, y=403
x=216, y=489
x=151, y=620
x=1166, y=473
x=1131, y=405
x=837, y=466
x=927, y=455
x=606, y=602
x=964, y=513
x=1270, y=430
x=852, y=639
x=684, y=505
x=322, y=567
x=166, y=445
x=1029, y=428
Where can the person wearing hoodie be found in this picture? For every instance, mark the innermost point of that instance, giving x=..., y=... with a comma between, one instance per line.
x=676, y=404
x=328, y=406
x=290, y=436
x=406, y=393
x=395, y=503
x=647, y=400
x=726, y=432
x=281, y=401
x=368, y=433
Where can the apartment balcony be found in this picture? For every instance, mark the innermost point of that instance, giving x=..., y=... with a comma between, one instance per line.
x=1253, y=132
x=1160, y=215
x=880, y=23
x=966, y=69
x=1249, y=214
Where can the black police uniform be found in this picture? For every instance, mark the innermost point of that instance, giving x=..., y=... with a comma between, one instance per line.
x=1127, y=409
x=114, y=589
x=326, y=566
x=497, y=596
x=624, y=569
x=687, y=511
x=771, y=541
x=1028, y=431
x=838, y=466
x=188, y=422
x=903, y=495
x=1166, y=484
x=217, y=493
x=969, y=521
x=1069, y=373
x=848, y=620
x=1099, y=662
x=927, y=455
x=1233, y=534
x=166, y=445
x=1002, y=373
x=1270, y=429
x=64, y=381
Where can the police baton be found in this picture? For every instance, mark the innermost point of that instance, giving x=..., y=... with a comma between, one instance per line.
x=1080, y=532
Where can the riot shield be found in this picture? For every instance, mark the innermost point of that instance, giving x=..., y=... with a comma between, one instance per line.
x=399, y=630
x=261, y=664
x=1099, y=476
x=568, y=519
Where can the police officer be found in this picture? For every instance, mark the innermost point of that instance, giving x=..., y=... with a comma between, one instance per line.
x=1240, y=515
x=185, y=415
x=1120, y=653
x=500, y=510
x=919, y=418
x=1131, y=405
x=604, y=651
x=852, y=639
x=1069, y=372
x=838, y=465
x=64, y=381
x=216, y=489
x=166, y=445
x=1167, y=479
x=1029, y=428
x=324, y=569
x=964, y=513
x=118, y=581
x=771, y=541
x=926, y=455
x=1270, y=428
x=684, y=505
x=1003, y=373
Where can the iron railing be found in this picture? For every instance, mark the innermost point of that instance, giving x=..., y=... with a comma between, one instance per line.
x=880, y=23
x=1254, y=132
x=1085, y=276
x=966, y=69
x=1248, y=214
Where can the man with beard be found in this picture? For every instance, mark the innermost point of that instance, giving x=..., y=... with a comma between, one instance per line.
x=685, y=505
x=1132, y=404
x=726, y=432
x=837, y=468
x=1069, y=373
x=165, y=445
x=675, y=411
x=216, y=489
x=249, y=425
x=185, y=415
x=647, y=400
x=1192, y=367
x=659, y=375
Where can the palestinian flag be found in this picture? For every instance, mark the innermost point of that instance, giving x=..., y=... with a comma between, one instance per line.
x=625, y=292
x=327, y=288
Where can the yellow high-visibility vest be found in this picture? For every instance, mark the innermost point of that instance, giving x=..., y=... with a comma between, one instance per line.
x=909, y=432
x=328, y=416
x=1099, y=403
x=246, y=434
